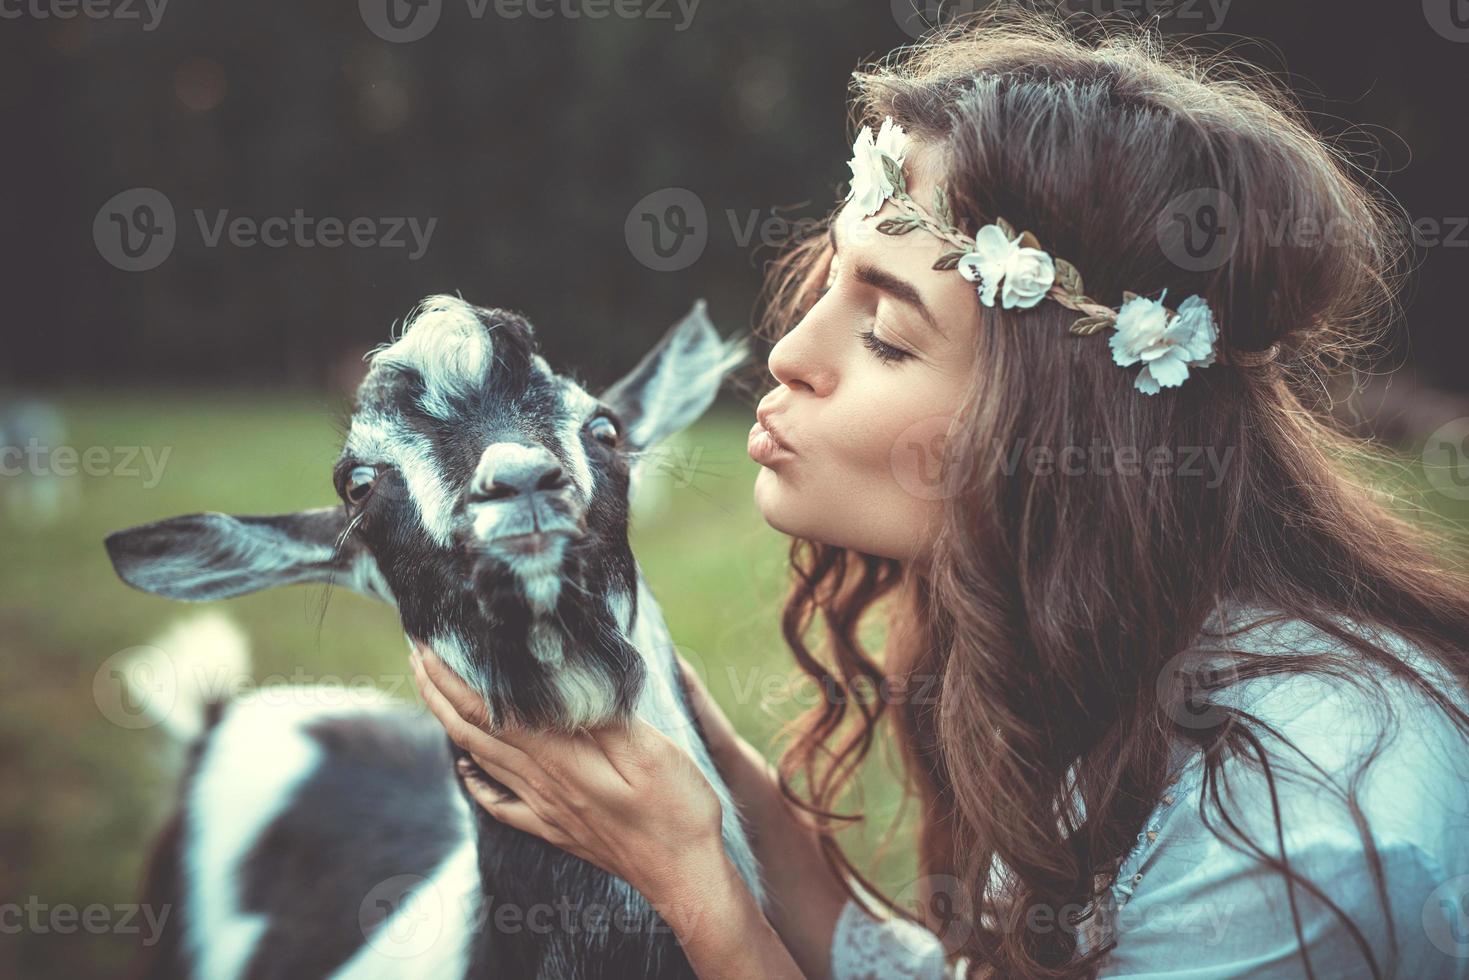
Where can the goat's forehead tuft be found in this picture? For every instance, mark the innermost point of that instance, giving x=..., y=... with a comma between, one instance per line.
x=456, y=347
x=444, y=336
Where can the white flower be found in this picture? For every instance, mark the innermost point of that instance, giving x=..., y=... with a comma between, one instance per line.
x=1028, y=273
x=1168, y=347
x=870, y=184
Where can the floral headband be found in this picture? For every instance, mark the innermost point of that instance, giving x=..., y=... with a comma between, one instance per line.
x=1014, y=266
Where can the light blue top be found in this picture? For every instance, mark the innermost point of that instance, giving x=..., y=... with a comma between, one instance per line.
x=1188, y=905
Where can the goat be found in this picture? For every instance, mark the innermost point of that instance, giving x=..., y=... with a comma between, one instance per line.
x=486, y=496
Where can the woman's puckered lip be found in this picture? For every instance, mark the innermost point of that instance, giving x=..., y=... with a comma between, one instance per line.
x=766, y=419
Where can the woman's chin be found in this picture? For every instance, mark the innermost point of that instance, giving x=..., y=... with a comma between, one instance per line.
x=773, y=499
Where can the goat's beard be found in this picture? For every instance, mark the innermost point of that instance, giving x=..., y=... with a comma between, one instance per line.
x=558, y=659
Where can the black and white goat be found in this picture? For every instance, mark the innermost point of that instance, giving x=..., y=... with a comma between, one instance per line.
x=486, y=496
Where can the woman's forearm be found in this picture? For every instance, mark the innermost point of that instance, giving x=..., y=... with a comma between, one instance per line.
x=723, y=931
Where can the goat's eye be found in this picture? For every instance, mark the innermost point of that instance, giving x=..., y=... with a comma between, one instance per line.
x=604, y=430
x=359, y=484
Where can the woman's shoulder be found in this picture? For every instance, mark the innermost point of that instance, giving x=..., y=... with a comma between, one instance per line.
x=1343, y=753
x=1363, y=730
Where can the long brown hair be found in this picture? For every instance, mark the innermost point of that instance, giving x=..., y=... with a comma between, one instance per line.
x=1052, y=604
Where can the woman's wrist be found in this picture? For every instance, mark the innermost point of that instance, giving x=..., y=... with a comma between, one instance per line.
x=675, y=877
x=693, y=898
x=721, y=926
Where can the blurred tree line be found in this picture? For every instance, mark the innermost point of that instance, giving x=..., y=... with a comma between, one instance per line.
x=527, y=140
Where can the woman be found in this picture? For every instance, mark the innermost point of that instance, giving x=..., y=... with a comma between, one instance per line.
x=1176, y=695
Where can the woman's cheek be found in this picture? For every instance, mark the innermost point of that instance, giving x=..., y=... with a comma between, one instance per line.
x=884, y=457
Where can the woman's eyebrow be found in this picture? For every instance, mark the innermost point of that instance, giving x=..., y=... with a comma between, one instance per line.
x=900, y=289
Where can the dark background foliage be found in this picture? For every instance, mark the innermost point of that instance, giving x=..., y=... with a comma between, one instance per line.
x=530, y=139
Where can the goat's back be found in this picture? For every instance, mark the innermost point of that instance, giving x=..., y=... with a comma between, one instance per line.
x=318, y=834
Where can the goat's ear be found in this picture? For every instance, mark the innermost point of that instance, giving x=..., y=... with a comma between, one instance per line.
x=675, y=381
x=216, y=556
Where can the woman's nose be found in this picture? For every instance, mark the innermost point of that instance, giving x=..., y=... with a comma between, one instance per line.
x=795, y=361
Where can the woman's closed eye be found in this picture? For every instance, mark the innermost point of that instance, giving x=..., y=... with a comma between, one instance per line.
x=884, y=352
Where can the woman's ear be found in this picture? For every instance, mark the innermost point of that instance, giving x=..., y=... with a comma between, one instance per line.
x=676, y=381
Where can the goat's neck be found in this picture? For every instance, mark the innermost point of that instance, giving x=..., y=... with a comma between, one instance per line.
x=665, y=705
x=593, y=924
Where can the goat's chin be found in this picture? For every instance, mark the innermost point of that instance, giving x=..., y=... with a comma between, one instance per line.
x=534, y=578
x=562, y=693
x=584, y=701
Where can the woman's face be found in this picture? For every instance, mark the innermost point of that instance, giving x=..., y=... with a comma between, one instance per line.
x=869, y=381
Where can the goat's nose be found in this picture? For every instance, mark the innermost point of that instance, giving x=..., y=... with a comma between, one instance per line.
x=509, y=469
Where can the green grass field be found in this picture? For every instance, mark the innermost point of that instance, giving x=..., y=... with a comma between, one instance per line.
x=82, y=796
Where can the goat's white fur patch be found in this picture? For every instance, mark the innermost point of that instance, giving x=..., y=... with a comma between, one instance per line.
x=431, y=931
x=620, y=604
x=372, y=439
x=586, y=696
x=542, y=586
x=452, y=652
x=580, y=407
x=539, y=575
x=445, y=342
x=545, y=642
x=256, y=758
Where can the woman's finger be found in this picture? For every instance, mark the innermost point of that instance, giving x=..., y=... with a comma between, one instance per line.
x=509, y=810
x=499, y=756
x=511, y=780
x=466, y=703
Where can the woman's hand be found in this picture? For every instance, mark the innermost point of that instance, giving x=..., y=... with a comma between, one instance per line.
x=627, y=799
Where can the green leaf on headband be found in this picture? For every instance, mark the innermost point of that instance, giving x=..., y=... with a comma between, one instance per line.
x=1028, y=240
x=948, y=261
x=1089, y=325
x=1006, y=227
x=1128, y=296
x=1070, y=279
x=941, y=206
x=897, y=226
x=893, y=172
